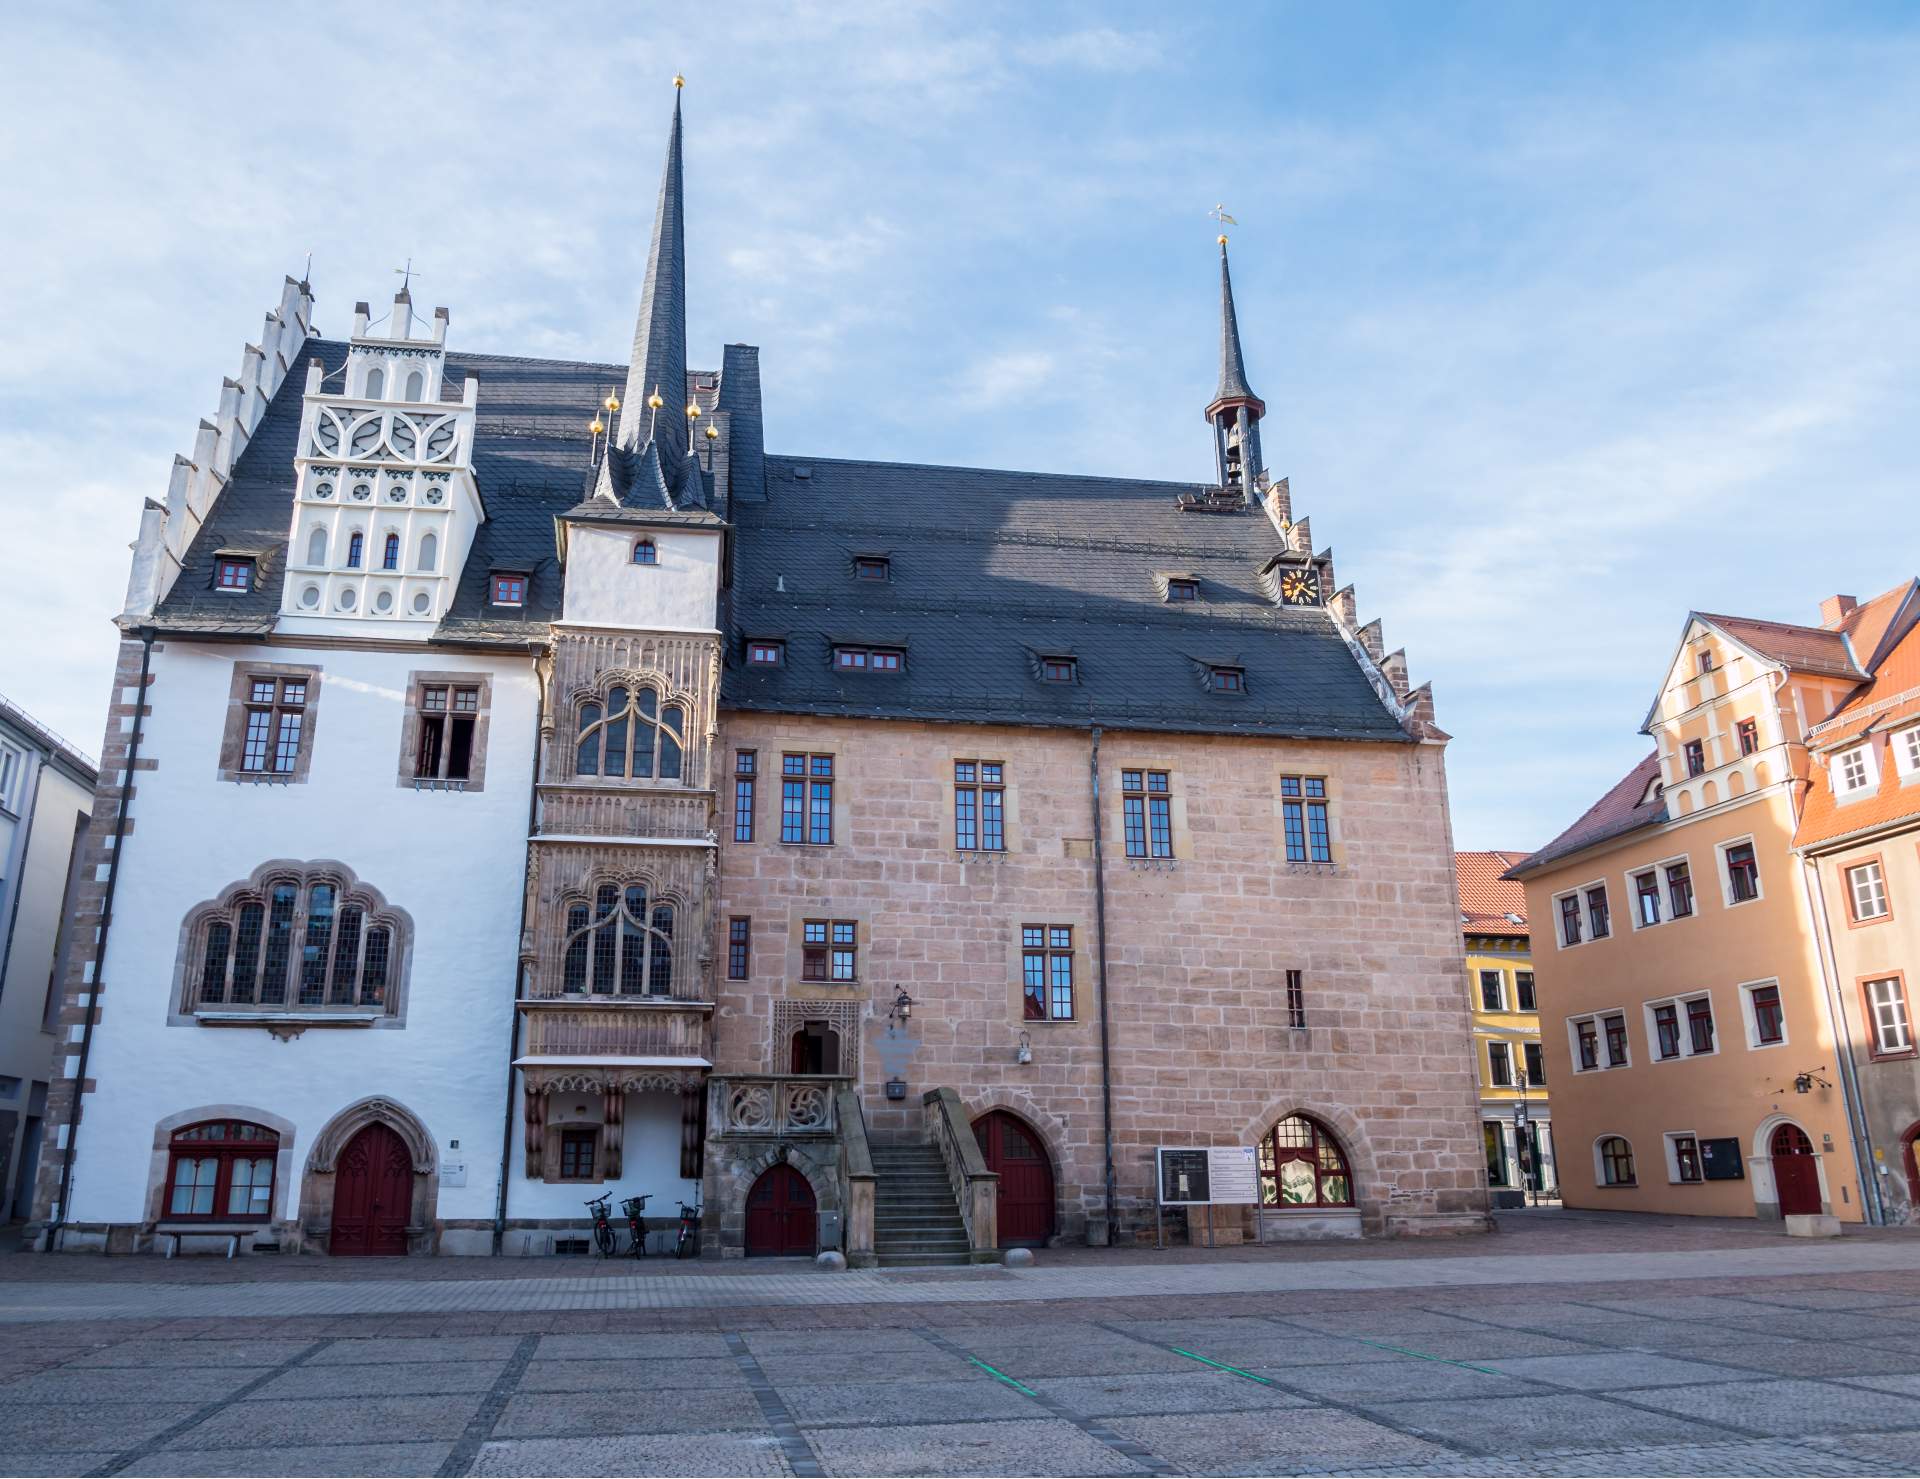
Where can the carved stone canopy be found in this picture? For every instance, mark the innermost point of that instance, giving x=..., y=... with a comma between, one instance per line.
x=587, y=1080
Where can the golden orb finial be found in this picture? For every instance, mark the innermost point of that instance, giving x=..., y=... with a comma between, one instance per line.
x=654, y=399
x=595, y=426
x=678, y=80
x=1222, y=238
x=713, y=432
x=613, y=401
x=693, y=410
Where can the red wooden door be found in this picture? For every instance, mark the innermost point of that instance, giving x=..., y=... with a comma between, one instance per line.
x=372, y=1194
x=780, y=1214
x=1796, y=1175
x=1026, y=1178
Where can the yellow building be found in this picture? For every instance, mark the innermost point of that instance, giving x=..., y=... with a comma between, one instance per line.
x=1515, y=1125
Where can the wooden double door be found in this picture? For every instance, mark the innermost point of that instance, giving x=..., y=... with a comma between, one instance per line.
x=1026, y=1178
x=1796, y=1174
x=782, y=1218
x=372, y=1195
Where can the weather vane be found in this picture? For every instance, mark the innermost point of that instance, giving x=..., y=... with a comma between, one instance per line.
x=406, y=275
x=1219, y=213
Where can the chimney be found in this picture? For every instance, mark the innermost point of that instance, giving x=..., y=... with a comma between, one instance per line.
x=1836, y=609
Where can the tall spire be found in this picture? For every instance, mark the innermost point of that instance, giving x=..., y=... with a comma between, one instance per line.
x=659, y=362
x=1235, y=410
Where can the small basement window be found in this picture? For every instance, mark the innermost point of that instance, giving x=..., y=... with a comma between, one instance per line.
x=1182, y=588
x=1059, y=669
x=644, y=552
x=765, y=654
x=1223, y=679
x=871, y=567
x=868, y=659
x=509, y=588
x=234, y=576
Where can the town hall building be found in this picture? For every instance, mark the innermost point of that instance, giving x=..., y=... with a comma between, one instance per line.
x=521, y=787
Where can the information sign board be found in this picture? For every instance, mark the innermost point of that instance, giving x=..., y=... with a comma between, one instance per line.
x=1230, y=1175
x=1184, y=1181
x=1211, y=1174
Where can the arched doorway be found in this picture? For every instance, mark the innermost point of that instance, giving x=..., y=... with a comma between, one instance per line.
x=1796, y=1174
x=815, y=1048
x=372, y=1194
x=781, y=1217
x=1026, y=1178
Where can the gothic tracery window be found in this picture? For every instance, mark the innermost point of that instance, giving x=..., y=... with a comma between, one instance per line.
x=631, y=733
x=619, y=944
x=1302, y=1165
x=296, y=942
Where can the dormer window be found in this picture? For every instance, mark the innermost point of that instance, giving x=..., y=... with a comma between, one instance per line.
x=868, y=659
x=1854, y=770
x=509, y=588
x=234, y=576
x=766, y=654
x=644, y=552
x=1182, y=588
x=1059, y=670
x=871, y=567
x=1224, y=679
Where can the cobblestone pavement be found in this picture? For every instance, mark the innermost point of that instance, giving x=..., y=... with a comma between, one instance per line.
x=1733, y=1363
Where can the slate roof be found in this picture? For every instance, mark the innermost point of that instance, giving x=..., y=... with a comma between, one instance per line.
x=990, y=571
x=1233, y=365
x=1615, y=814
x=1488, y=896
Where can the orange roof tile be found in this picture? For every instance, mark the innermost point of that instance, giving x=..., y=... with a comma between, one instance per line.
x=1487, y=896
x=1890, y=702
x=1625, y=808
x=1808, y=649
x=1867, y=624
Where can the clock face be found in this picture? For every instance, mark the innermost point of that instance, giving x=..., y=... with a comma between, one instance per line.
x=1300, y=588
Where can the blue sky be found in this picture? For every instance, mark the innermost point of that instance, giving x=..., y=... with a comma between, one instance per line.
x=1567, y=320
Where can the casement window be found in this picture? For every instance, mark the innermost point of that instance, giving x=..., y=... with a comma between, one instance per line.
x=1867, y=892
x=1615, y=1028
x=1696, y=753
x=979, y=806
x=221, y=1171
x=1536, y=1061
x=868, y=659
x=1613, y=1161
x=1743, y=873
x=618, y=942
x=1569, y=919
x=356, y=550
x=508, y=588
x=1766, y=1021
x=1500, y=1065
x=1686, y=1158
x=829, y=950
x=1854, y=771
x=449, y=718
x=1700, y=1025
x=1906, y=752
x=1887, y=1017
x=1646, y=897
x=1224, y=679
x=746, y=765
x=1300, y=1164
x=806, y=799
x=1146, y=801
x=1046, y=972
x=577, y=1149
x=296, y=942
x=1587, y=1045
x=1666, y=1031
x=1182, y=588
x=390, y=553
x=1679, y=889
x=233, y=576
x=1059, y=669
x=871, y=567
x=1599, y=916
x=1296, y=999
x=1680, y=1027
x=1303, y=812
x=1748, y=733
x=645, y=552
x=739, y=943
x=1494, y=1139
x=765, y=654
x=276, y=720
x=1523, y=992
x=1705, y=660
x=1492, y=992
x=630, y=732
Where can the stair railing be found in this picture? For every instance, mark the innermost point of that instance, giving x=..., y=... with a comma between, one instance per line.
x=975, y=1188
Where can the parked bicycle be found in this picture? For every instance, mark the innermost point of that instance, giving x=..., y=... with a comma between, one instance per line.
x=603, y=1234
x=636, y=1209
x=687, y=1242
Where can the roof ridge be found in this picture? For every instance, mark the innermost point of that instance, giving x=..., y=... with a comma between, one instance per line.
x=1010, y=472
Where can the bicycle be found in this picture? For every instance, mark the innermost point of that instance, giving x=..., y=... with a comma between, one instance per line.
x=687, y=1242
x=603, y=1236
x=635, y=1208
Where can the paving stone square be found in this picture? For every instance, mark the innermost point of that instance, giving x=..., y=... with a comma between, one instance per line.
x=129, y=1384
x=1263, y=1347
x=1045, y=1445
x=663, y=1345
x=65, y=1426
x=1614, y=1370
x=1516, y=1424
x=29, y=1463
x=623, y=1409
x=364, y=1419
x=331, y=1458
x=707, y=1453
x=1275, y=1442
x=390, y=1349
x=257, y=1355
x=954, y=1399
x=1812, y=1357
x=584, y=1374
x=1153, y=1392
x=1787, y=1407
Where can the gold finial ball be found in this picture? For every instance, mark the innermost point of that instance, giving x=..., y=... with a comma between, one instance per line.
x=595, y=426
x=655, y=401
x=613, y=402
x=713, y=432
x=693, y=410
x=678, y=80
x=1222, y=238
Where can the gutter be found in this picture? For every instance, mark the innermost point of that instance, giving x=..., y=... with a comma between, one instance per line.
x=1859, y=1129
x=100, y=946
x=513, y=1029
x=1106, y=1044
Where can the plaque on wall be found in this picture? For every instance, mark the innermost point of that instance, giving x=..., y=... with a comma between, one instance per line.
x=1183, y=1177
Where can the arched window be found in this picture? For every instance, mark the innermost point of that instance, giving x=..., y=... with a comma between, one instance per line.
x=429, y=551
x=416, y=386
x=376, y=385
x=619, y=945
x=1302, y=1165
x=221, y=1171
x=317, y=547
x=356, y=549
x=629, y=734
x=644, y=553
x=1615, y=1158
x=293, y=942
x=390, y=554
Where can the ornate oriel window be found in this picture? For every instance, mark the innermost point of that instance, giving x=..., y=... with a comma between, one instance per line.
x=620, y=943
x=1302, y=1165
x=221, y=1171
x=631, y=732
x=296, y=939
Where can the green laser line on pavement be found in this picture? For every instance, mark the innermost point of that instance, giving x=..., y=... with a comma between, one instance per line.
x=1002, y=1376
x=1219, y=1365
x=1399, y=1350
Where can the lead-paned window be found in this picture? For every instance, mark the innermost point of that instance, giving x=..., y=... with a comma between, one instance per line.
x=298, y=943
x=631, y=733
x=276, y=721
x=221, y=1171
x=1146, y=802
x=979, y=806
x=618, y=942
x=1300, y=1164
x=746, y=764
x=739, y=947
x=829, y=950
x=806, y=799
x=1303, y=811
x=1046, y=971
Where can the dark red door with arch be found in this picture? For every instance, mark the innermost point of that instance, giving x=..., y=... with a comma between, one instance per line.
x=372, y=1195
x=781, y=1218
x=1026, y=1178
x=1796, y=1175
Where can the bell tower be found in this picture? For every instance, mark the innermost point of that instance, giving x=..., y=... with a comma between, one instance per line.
x=1235, y=410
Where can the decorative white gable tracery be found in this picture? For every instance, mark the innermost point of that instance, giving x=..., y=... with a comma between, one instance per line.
x=384, y=458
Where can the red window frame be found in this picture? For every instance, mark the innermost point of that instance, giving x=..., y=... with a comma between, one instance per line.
x=765, y=654
x=739, y=947
x=220, y=1146
x=1300, y=1138
x=1058, y=669
x=235, y=576
x=509, y=589
x=1570, y=920
x=1646, y=893
x=1181, y=588
x=1615, y=1029
x=871, y=567
x=1700, y=1025
x=1686, y=1156
x=645, y=552
x=1769, y=1020
x=578, y=1154
x=1696, y=754
x=1228, y=680
x=1749, y=735
x=1666, y=1031
x=1599, y=914
x=1588, y=1035
x=1679, y=889
x=1743, y=873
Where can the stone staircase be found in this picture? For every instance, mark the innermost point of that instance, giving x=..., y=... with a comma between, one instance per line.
x=915, y=1218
